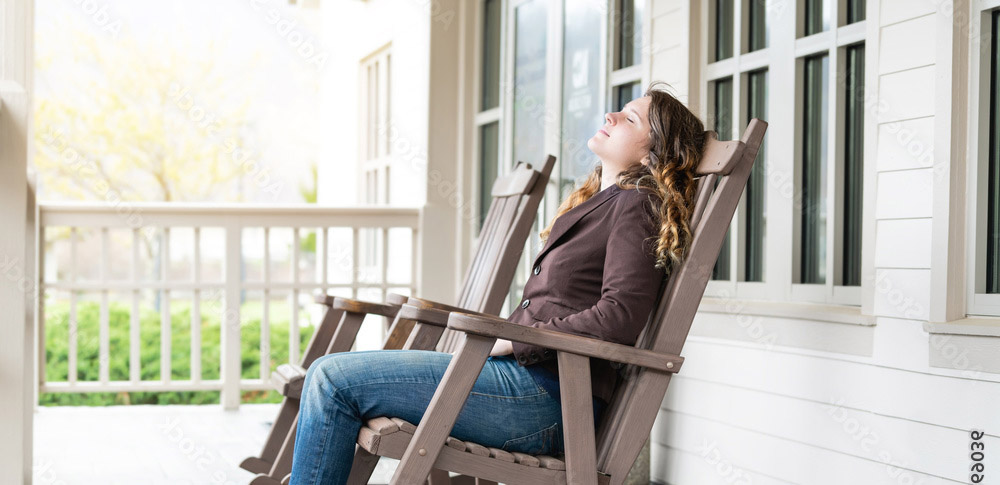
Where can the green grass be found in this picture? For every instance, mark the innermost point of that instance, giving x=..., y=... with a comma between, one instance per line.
x=88, y=316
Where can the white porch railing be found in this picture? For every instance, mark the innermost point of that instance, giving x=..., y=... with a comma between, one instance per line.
x=364, y=257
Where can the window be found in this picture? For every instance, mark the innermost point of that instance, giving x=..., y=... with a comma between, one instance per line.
x=488, y=112
x=812, y=213
x=984, y=193
x=829, y=152
x=755, y=207
x=854, y=117
x=582, y=109
x=804, y=210
x=737, y=92
x=375, y=118
x=722, y=121
x=554, y=100
x=992, y=239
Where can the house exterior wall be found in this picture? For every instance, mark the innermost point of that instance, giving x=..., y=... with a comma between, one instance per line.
x=882, y=385
x=779, y=391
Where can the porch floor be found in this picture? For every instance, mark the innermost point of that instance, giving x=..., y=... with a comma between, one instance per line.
x=175, y=444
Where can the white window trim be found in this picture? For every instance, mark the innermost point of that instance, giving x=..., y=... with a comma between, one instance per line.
x=978, y=302
x=779, y=276
x=376, y=167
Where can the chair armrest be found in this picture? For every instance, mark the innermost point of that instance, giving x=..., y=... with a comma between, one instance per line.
x=361, y=306
x=496, y=327
x=429, y=316
x=357, y=306
x=424, y=303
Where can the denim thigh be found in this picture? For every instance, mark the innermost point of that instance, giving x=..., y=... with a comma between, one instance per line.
x=506, y=409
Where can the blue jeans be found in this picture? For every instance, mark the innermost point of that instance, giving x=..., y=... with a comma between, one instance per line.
x=506, y=408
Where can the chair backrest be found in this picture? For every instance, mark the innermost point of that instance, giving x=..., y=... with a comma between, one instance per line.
x=723, y=174
x=516, y=197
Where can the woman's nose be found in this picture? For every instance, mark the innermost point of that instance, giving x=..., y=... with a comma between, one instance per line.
x=609, y=118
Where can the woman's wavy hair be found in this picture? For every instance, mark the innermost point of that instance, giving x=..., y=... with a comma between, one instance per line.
x=677, y=139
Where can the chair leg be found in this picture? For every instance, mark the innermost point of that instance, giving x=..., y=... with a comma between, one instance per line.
x=362, y=468
x=283, y=462
x=279, y=430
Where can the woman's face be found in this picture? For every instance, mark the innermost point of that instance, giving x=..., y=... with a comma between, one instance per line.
x=623, y=141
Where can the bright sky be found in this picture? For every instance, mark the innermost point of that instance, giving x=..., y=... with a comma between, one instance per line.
x=283, y=89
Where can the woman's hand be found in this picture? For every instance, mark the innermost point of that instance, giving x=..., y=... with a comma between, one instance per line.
x=502, y=347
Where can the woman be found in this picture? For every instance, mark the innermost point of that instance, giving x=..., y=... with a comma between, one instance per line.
x=599, y=273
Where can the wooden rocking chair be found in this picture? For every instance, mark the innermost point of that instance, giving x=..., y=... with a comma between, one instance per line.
x=629, y=417
x=516, y=197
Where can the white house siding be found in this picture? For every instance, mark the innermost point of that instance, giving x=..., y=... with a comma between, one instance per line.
x=811, y=400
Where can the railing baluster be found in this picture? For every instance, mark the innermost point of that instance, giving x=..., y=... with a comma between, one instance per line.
x=326, y=261
x=73, y=324
x=293, y=330
x=196, y=309
x=355, y=269
x=103, y=354
x=385, y=278
x=414, y=250
x=265, y=317
x=230, y=356
x=165, y=307
x=162, y=286
x=134, y=362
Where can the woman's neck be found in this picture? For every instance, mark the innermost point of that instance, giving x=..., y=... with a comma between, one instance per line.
x=608, y=178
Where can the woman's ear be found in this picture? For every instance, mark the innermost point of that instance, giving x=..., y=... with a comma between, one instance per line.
x=645, y=160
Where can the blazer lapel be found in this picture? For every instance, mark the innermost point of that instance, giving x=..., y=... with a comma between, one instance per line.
x=570, y=218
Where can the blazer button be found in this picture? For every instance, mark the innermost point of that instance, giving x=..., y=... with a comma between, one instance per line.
x=534, y=356
x=537, y=269
x=547, y=353
x=525, y=303
x=522, y=359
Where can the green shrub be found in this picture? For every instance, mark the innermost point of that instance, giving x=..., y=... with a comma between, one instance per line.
x=88, y=350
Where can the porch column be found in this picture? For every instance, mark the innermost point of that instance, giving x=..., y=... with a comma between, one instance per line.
x=439, y=271
x=17, y=262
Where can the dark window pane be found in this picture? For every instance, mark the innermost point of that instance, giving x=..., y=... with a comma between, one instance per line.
x=723, y=29
x=722, y=122
x=855, y=11
x=624, y=94
x=757, y=32
x=491, y=55
x=529, y=81
x=814, y=170
x=756, y=208
x=488, y=166
x=628, y=32
x=582, y=109
x=993, y=196
x=853, y=156
x=816, y=17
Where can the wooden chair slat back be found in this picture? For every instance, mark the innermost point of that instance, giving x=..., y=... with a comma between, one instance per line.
x=516, y=197
x=638, y=397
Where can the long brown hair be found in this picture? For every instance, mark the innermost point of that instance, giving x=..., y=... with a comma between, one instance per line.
x=677, y=138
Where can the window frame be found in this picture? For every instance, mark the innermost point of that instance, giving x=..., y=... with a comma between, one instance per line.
x=374, y=146
x=978, y=302
x=779, y=280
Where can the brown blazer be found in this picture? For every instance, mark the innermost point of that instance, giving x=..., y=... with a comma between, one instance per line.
x=594, y=277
